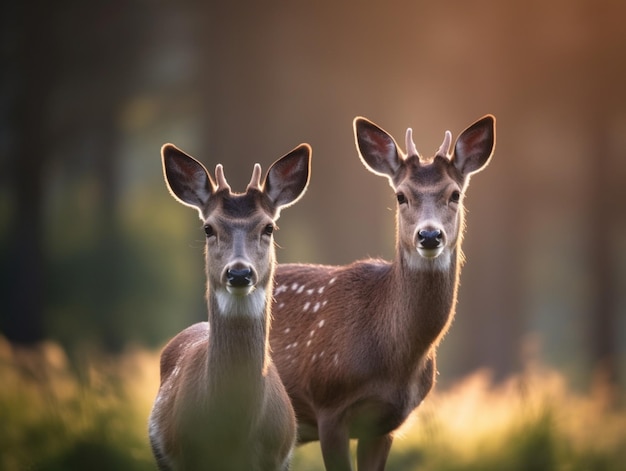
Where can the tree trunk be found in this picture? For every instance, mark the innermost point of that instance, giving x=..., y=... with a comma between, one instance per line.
x=24, y=271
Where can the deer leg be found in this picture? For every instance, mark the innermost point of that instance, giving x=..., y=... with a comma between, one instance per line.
x=372, y=452
x=335, y=443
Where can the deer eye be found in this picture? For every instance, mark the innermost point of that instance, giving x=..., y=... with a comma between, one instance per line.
x=209, y=231
x=401, y=198
x=455, y=196
x=269, y=229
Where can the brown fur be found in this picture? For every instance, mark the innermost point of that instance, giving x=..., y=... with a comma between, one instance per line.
x=221, y=404
x=355, y=345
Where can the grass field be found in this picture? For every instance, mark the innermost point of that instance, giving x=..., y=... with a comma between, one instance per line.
x=90, y=413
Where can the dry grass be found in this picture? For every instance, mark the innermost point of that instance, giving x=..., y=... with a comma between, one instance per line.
x=91, y=414
x=58, y=415
x=533, y=421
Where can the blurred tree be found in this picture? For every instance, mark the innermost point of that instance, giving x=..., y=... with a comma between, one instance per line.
x=602, y=222
x=75, y=68
x=604, y=98
x=101, y=72
x=33, y=50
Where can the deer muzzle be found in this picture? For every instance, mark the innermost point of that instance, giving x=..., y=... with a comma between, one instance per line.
x=430, y=242
x=240, y=278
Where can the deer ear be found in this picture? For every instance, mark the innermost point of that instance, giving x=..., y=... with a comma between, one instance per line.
x=187, y=179
x=377, y=149
x=288, y=177
x=475, y=145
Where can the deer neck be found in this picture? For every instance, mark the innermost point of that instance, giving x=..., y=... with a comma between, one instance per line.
x=424, y=296
x=238, y=338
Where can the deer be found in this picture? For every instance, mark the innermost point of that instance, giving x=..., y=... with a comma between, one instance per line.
x=221, y=403
x=355, y=345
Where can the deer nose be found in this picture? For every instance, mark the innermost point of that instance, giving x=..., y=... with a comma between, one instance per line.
x=430, y=239
x=239, y=277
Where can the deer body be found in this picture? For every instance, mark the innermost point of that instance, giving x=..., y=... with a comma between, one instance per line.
x=355, y=345
x=221, y=403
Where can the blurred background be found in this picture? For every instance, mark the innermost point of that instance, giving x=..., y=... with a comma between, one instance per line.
x=96, y=258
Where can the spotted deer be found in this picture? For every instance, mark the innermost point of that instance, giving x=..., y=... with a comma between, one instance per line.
x=355, y=345
x=221, y=404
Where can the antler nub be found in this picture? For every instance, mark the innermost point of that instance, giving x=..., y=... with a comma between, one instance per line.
x=222, y=184
x=255, y=181
x=444, y=149
x=410, y=145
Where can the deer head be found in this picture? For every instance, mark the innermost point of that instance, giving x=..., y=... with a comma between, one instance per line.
x=429, y=191
x=238, y=226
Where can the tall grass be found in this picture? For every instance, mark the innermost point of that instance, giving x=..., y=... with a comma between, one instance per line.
x=91, y=413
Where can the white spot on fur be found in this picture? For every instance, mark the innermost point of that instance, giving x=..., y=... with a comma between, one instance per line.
x=317, y=306
x=314, y=357
x=308, y=343
x=300, y=289
x=287, y=330
x=294, y=286
x=306, y=306
x=310, y=291
x=336, y=359
x=321, y=323
x=311, y=333
x=320, y=290
x=280, y=289
x=332, y=280
x=250, y=305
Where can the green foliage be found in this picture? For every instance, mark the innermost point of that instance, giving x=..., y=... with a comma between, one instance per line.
x=126, y=279
x=91, y=413
x=57, y=416
x=533, y=422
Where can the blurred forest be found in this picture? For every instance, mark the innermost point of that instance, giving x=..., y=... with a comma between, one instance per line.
x=95, y=255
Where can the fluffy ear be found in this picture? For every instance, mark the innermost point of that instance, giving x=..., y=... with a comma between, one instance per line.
x=377, y=149
x=187, y=179
x=475, y=145
x=288, y=177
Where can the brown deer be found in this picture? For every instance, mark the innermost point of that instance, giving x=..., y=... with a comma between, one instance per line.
x=221, y=404
x=355, y=345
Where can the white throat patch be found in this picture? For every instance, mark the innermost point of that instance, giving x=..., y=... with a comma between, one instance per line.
x=416, y=262
x=250, y=305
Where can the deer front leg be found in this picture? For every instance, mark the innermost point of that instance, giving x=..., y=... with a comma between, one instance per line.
x=335, y=444
x=372, y=452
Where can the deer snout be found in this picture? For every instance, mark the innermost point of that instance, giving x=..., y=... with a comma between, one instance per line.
x=240, y=278
x=430, y=242
x=430, y=239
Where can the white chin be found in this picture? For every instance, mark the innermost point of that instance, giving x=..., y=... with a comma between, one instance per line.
x=430, y=253
x=239, y=290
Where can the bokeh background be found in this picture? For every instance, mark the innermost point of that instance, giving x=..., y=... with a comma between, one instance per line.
x=97, y=260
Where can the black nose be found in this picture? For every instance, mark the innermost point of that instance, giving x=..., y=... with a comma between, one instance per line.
x=239, y=277
x=430, y=239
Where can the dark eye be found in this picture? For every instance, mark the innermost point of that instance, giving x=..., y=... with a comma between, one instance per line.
x=269, y=229
x=401, y=198
x=455, y=196
x=209, y=231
